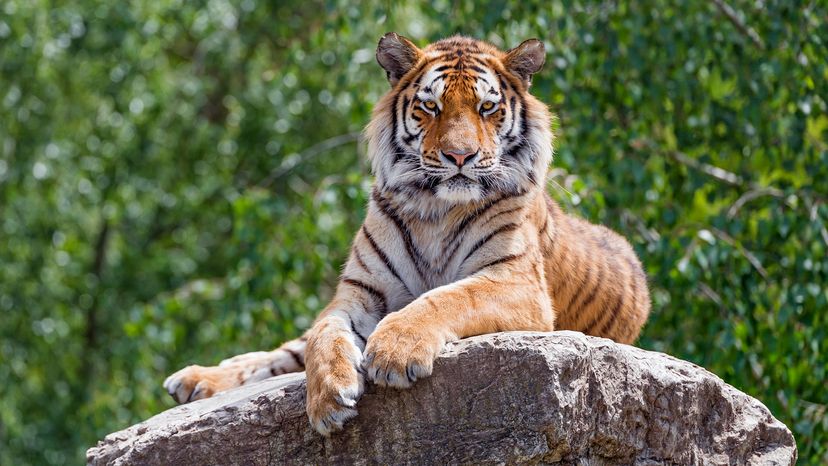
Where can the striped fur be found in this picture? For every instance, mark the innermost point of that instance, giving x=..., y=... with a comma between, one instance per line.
x=450, y=248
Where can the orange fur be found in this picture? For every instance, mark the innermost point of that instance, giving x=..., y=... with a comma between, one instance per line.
x=460, y=237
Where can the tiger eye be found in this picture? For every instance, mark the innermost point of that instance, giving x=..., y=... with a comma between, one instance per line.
x=487, y=106
x=430, y=104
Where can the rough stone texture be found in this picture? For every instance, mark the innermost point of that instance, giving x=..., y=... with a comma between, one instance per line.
x=539, y=398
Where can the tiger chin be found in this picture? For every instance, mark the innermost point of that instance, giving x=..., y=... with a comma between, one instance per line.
x=460, y=237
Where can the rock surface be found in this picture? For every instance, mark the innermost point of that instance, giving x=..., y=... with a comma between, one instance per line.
x=509, y=398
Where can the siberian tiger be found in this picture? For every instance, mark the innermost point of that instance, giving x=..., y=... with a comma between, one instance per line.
x=460, y=237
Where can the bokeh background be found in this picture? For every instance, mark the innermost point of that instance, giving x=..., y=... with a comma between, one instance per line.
x=180, y=182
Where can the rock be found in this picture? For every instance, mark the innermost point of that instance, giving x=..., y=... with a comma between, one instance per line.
x=520, y=397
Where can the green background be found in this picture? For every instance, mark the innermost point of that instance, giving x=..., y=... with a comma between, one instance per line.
x=180, y=182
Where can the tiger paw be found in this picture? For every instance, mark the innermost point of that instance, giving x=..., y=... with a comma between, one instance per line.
x=196, y=382
x=332, y=402
x=398, y=353
x=334, y=378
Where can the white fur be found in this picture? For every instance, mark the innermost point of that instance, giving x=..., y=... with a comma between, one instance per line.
x=333, y=421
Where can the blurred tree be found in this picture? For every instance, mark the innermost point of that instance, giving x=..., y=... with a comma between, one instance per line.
x=180, y=181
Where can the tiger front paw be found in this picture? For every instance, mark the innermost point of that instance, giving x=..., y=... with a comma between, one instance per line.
x=196, y=382
x=334, y=382
x=332, y=402
x=399, y=352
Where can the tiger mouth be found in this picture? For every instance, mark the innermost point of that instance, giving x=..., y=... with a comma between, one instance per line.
x=459, y=179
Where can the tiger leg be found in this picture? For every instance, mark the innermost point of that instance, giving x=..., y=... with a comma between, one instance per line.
x=506, y=297
x=335, y=379
x=197, y=382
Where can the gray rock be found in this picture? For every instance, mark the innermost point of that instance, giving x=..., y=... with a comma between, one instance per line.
x=521, y=397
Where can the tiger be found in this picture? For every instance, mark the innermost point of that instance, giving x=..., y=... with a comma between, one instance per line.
x=460, y=237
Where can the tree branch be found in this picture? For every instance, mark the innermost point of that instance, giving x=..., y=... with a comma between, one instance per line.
x=734, y=19
x=90, y=335
x=751, y=195
x=716, y=172
x=754, y=261
x=291, y=162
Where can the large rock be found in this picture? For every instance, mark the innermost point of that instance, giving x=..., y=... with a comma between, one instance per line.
x=540, y=398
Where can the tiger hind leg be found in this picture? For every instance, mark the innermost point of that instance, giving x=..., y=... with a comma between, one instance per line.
x=198, y=382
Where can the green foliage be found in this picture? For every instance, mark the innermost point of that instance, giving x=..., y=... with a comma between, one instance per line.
x=180, y=181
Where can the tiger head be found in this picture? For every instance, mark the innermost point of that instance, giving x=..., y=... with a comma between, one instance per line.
x=459, y=124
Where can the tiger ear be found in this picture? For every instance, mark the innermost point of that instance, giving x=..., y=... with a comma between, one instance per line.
x=396, y=55
x=526, y=59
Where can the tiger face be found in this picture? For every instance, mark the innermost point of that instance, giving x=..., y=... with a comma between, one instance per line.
x=459, y=125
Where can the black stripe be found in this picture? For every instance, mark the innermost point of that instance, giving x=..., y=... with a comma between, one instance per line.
x=295, y=355
x=384, y=257
x=611, y=316
x=375, y=293
x=514, y=150
x=514, y=82
x=544, y=238
x=479, y=62
x=356, y=333
x=542, y=229
x=502, y=212
x=456, y=240
x=478, y=213
x=456, y=47
x=503, y=84
x=514, y=115
x=522, y=110
x=410, y=247
x=522, y=126
x=441, y=77
x=460, y=48
x=487, y=238
x=488, y=183
x=359, y=260
x=409, y=136
x=576, y=266
x=426, y=183
x=530, y=173
x=442, y=68
x=484, y=79
x=593, y=293
x=609, y=330
x=502, y=260
x=409, y=77
x=398, y=152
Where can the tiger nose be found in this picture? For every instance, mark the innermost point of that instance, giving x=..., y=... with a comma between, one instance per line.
x=460, y=157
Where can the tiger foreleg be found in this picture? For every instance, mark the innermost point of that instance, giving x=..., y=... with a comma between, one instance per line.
x=197, y=382
x=508, y=296
x=335, y=379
